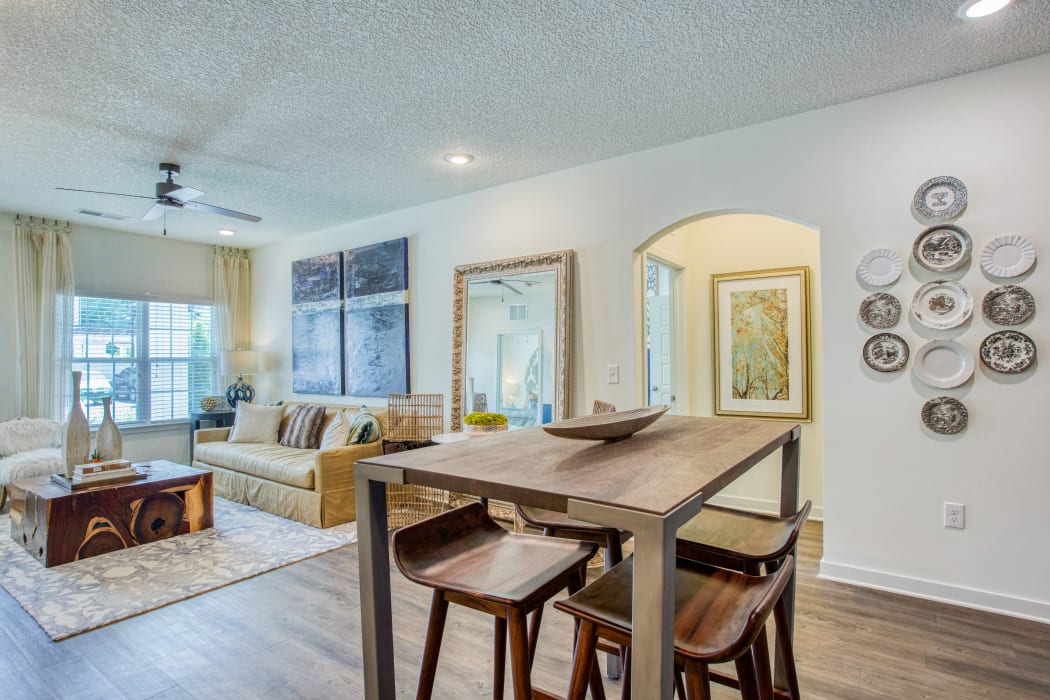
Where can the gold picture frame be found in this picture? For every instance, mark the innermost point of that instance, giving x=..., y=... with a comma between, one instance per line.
x=762, y=343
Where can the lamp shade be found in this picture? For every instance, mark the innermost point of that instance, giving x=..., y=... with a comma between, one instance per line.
x=240, y=362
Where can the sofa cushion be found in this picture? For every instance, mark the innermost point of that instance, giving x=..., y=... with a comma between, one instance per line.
x=304, y=428
x=46, y=460
x=337, y=434
x=25, y=434
x=285, y=465
x=256, y=423
x=364, y=427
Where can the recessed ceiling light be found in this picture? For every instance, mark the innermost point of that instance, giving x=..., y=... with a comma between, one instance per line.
x=972, y=9
x=459, y=158
x=226, y=232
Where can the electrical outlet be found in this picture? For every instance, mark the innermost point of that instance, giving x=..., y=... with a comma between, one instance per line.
x=954, y=515
x=614, y=374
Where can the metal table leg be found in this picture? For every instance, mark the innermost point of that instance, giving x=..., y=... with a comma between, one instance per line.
x=789, y=487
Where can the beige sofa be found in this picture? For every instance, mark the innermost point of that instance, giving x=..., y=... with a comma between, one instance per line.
x=315, y=487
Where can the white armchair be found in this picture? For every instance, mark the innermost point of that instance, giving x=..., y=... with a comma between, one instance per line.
x=29, y=447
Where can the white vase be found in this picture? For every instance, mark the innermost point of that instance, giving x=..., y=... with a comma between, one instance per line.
x=77, y=445
x=108, y=442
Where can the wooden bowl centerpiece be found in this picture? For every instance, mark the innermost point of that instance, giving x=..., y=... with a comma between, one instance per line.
x=609, y=427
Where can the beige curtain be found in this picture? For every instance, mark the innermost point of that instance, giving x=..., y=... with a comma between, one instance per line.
x=233, y=303
x=43, y=317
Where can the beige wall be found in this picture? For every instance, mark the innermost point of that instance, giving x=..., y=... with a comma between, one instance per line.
x=738, y=243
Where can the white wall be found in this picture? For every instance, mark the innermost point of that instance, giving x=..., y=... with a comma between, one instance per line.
x=110, y=263
x=738, y=243
x=850, y=171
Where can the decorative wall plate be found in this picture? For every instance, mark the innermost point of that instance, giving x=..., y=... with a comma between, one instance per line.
x=880, y=310
x=886, y=352
x=940, y=198
x=1007, y=256
x=943, y=364
x=1009, y=305
x=945, y=415
x=1009, y=352
x=880, y=267
x=942, y=248
x=941, y=304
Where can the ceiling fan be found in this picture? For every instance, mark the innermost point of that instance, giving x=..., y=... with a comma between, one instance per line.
x=509, y=284
x=171, y=196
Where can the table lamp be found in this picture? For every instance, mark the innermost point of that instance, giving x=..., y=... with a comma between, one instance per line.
x=240, y=362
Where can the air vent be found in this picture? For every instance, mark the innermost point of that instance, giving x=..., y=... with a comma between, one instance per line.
x=519, y=312
x=102, y=214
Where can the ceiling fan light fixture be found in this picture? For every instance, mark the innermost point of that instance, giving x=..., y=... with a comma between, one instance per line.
x=459, y=158
x=975, y=9
x=227, y=232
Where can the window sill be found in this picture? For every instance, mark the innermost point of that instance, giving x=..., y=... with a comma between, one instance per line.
x=143, y=428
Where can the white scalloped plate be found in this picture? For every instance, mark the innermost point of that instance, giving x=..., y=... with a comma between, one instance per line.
x=1008, y=256
x=941, y=304
x=943, y=364
x=880, y=267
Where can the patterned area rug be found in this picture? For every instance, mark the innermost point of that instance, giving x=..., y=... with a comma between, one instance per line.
x=84, y=595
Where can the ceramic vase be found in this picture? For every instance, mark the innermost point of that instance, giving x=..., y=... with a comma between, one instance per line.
x=108, y=442
x=77, y=445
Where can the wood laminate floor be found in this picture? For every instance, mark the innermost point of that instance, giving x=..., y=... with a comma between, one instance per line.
x=295, y=633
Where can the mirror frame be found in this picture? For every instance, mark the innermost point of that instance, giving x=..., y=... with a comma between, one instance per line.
x=560, y=262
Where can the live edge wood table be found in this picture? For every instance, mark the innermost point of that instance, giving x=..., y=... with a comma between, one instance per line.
x=649, y=484
x=58, y=526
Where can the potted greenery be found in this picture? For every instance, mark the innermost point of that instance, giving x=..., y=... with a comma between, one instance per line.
x=479, y=423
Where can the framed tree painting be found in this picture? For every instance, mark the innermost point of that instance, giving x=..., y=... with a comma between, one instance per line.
x=761, y=343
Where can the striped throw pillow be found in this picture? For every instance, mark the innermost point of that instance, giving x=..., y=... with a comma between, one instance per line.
x=304, y=428
x=364, y=427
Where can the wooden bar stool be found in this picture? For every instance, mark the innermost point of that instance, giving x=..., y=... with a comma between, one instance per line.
x=719, y=615
x=470, y=560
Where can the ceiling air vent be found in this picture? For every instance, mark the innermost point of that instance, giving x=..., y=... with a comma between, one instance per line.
x=518, y=312
x=102, y=214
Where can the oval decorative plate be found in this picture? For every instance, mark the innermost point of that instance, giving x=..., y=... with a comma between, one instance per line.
x=606, y=426
x=886, y=352
x=1009, y=352
x=943, y=364
x=880, y=310
x=1008, y=256
x=940, y=198
x=880, y=267
x=942, y=248
x=945, y=415
x=941, y=304
x=1008, y=306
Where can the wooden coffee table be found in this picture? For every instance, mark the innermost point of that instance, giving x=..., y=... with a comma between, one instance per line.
x=58, y=526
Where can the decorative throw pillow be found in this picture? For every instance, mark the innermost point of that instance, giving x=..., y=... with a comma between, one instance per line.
x=364, y=427
x=337, y=433
x=256, y=423
x=304, y=428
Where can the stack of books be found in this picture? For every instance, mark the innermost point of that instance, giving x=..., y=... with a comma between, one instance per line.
x=111, y=470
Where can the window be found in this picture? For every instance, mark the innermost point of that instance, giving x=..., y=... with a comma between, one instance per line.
x=154, y=359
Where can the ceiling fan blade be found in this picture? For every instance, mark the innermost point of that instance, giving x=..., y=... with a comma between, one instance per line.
x=510, y=286
x=185, y=194
x=155, y=212
x=201, y=206
x=117, y=194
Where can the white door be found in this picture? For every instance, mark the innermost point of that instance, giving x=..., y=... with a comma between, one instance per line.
x=660, y=369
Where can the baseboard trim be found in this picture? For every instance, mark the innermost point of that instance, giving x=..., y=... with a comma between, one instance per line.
x=759, y=505
x=1024, y=608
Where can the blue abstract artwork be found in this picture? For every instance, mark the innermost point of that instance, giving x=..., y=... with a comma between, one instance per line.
x=377, y=350
x=317, y=363
x=317, y=279
x=376, y=269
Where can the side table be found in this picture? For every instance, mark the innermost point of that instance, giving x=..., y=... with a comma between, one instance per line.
x=222, y=419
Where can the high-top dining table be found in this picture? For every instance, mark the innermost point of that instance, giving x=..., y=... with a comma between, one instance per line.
x=650, y=484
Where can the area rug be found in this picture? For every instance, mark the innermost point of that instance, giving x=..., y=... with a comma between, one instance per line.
x=84, y=595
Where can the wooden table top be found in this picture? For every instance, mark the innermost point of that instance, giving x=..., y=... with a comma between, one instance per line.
x=161, y=470
x=654, y=471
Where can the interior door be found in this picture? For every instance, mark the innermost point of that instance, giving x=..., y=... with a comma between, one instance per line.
x=660, y=343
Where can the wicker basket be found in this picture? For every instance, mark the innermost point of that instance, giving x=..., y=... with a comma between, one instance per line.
x=412, y=419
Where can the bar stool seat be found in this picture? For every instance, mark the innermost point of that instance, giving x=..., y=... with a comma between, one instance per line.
x=739, y=537
x=719, y=616
x=470, y=560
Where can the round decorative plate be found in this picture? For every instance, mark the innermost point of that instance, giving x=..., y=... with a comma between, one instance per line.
x=943, y=364
x=886, y=352
x=1008, y=306
x=945, y=415
x=942, y=248
x=880, y=267
x=940, y=198
x=1007, y=256
x=880, y=310
x=1009, y=352
x=941, y=304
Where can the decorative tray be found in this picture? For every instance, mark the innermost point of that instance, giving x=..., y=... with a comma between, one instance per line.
x=943, y=364
x=942, y=248
x=606, y=426
x=880, y=267
x=1008, y=256
x=941, y=304
x=945, y=415
x=941, y=198
x=1009, y=352
x=886, y=352
x=880, y=310
x=1009, y=305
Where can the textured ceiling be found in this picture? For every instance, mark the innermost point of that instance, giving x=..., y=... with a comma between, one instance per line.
x=313, y=114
